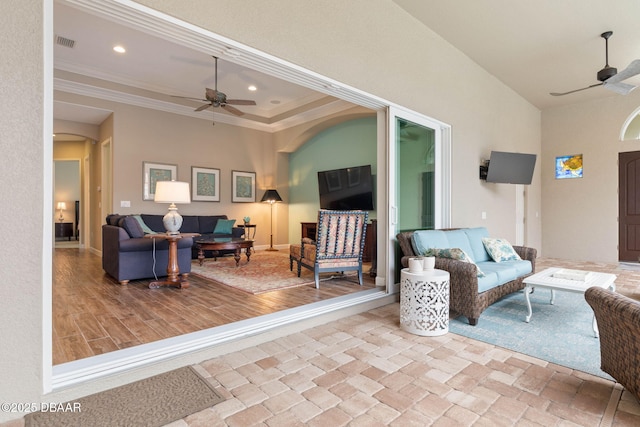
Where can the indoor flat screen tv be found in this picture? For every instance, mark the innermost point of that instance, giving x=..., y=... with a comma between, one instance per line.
x=346, y=189
x=511, y=168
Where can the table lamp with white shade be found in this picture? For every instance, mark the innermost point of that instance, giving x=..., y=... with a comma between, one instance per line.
x=61, y=206
x=172, y=192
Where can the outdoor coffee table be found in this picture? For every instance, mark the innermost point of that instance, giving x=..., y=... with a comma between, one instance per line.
x=559, y=279
x=234, y=243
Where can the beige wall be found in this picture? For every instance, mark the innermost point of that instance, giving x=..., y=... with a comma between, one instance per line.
x=22, y=189
x=76, y=128
x=371, y=45
x=413, y=67
x=580, y=215
x=141, y=134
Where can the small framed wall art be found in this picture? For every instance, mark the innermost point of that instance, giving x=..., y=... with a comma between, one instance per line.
x=205, y=184
x=243, y=187
x=569, y=166
x=154, y=172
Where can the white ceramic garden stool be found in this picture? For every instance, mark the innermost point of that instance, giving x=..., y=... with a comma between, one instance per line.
x=424, y=302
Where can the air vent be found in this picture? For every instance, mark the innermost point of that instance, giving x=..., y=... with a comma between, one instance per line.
x=63, y=41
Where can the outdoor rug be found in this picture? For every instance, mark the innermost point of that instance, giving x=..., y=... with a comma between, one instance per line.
x=150, y=402
x=559, y=333
x=266, y=271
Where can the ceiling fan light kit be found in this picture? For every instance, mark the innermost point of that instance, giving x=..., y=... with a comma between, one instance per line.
x=609, y=77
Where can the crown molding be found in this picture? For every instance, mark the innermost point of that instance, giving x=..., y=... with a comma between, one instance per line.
x=154, y=104
x=97, y=92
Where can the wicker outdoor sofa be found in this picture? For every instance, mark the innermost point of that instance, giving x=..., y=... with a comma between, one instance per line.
x=618, y=320
x=466, y=297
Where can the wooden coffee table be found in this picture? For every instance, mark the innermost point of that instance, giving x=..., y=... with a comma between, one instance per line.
x=234, y=243
x=545, y=279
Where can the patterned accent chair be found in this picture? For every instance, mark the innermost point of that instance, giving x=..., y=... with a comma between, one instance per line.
x=618, y=320
x=338, y=247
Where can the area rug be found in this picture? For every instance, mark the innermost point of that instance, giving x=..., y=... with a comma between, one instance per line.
x=559, y=333
x=266, y=271
x=150, y=402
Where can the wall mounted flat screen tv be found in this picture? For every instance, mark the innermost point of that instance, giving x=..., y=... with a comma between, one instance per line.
x=346, y=189
x=511, y=168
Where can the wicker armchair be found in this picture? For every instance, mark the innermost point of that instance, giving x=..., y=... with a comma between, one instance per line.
x=618, y=320
x=338, y=246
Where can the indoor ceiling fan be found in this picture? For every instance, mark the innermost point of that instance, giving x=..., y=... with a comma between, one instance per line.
x=214, y=98
x=609, y=77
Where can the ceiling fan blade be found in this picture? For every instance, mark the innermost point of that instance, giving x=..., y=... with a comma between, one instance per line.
x=576, y=90
x=203, y=107
x=232, y=110
x=241, y=102
x=621, y=88
x=632, y=70
x=188, y=97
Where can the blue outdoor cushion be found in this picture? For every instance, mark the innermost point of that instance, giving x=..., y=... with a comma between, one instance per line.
x=478, y=251
x=459, y=239
x=422, y=240
x=489, y=281
x=500, y=250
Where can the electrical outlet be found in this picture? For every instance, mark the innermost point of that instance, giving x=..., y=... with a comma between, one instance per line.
x=484, y=215
x=125, y=204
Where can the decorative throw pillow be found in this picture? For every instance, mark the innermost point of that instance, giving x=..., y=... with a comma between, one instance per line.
x=132, y=227
x=224, y=226
x=453, y=253
x=145, y=227
x=500, y=249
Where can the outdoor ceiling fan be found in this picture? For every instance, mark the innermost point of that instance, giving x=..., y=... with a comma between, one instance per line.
x=609, y=77
x=214, y=98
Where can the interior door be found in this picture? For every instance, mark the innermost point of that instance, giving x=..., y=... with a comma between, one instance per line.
x=629, y=206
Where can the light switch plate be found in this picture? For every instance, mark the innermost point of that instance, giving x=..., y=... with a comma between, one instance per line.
x=125, y=204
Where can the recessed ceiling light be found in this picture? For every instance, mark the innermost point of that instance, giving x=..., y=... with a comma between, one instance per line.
x=119, y=49
x=253, y=88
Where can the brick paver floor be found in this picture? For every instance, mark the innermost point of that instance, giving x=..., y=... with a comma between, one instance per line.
x=364, y=370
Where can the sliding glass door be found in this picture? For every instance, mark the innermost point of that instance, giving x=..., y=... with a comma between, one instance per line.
x=419, y=153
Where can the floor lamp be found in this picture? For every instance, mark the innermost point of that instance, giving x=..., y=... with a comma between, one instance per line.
x=271, y=197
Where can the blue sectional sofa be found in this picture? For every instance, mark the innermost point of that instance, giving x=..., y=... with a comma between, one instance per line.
x=476, y=279
x=128, y=255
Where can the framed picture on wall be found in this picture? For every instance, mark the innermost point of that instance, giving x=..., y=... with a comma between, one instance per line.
x=205, y=184
x=154, y=172
x=243, y=187
x=569, y=166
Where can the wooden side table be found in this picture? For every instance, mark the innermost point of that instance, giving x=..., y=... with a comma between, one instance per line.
x=64, y=229
x=247, y=230
x=173, y=271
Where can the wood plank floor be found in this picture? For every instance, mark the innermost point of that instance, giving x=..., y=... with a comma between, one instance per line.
x=94, y=314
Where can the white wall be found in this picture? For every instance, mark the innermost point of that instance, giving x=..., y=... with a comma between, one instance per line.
x=372, y=45
x=581, y=215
